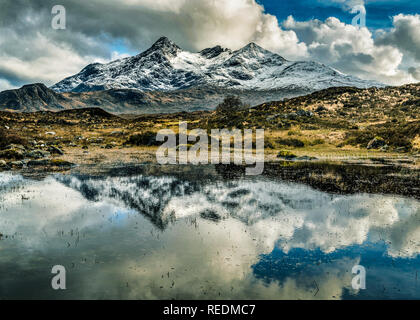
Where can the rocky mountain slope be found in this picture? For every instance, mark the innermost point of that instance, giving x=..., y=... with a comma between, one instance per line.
x=166, y=67
x=34, y=97
x=38, y=97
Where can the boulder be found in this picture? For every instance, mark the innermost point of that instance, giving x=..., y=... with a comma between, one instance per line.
x=320, y=109
x=16, y=164
x=38, y=154
x=286, y=155
x=55, y=150
x=304, y=113
x=210, y=215
x=273, y=117
x=384, y=148
x=38, y=163
x=60, y=163
x=16, y=146
x=376, y=143
x=306, y=158
x=50, y=162
x=12, y=153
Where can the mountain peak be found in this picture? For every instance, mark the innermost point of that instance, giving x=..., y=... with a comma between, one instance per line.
x=210, y=53
x=252, y=46
x=166, y=45
x=252, y=50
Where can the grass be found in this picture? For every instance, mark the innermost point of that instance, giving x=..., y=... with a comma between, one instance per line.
x=291, y=142
x=342, y=128
x=8, y=137
x=147, y=138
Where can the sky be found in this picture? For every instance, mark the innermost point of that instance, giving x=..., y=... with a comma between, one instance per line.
x=385, y=49
x=378, y=12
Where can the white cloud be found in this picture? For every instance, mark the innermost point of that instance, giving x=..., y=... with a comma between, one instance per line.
x=31, y=51
x=351, y=49
x=200, y=255
x=51, y=62
x=214, y=258
x=5, y=85
x=348, y=5
x=405, y=35
x=232, y=24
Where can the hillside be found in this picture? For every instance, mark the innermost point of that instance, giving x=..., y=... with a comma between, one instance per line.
x=335, y=121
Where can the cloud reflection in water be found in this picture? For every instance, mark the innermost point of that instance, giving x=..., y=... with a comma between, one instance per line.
x=149, y=237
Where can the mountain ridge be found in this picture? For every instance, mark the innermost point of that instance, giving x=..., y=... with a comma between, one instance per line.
x=167, y=79
x=131, y=100
x=166, y=67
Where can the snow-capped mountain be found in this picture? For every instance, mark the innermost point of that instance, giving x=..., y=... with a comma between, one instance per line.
x=166, y=67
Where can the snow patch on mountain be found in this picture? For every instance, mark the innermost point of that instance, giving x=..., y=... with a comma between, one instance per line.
x=166, y=67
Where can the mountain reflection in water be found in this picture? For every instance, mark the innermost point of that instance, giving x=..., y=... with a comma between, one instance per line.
x=168, y=237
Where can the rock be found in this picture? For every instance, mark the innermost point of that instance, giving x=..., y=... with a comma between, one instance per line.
x=50, y=162
x=37, y=163
x=376, y=143
x=304, y=113
x=384, y=148
x=291, y=116
x=3, y=164
x=50, y=133
x=16, y=164
x=286, y=155
x=306, y=158
x=55, y=150
x=60, y=163
x=109, y=146
x=12, y=153
x=16, y=146
x=210, y=215
x=401, y=149
x=320, y=109
x=38, y=154
x=273, y=117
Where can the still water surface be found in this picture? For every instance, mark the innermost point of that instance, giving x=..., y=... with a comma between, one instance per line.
x=172, y=237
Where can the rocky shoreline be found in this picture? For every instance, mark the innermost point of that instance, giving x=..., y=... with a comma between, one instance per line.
x=16, y=156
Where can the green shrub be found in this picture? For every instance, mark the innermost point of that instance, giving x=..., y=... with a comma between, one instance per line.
x=396, y=135
x=286, y=155
x=144, y=139
x=317, y=142
x=230, y=104
x=290, y=142
x=294, y=133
